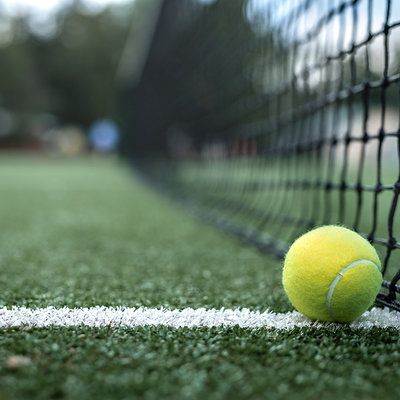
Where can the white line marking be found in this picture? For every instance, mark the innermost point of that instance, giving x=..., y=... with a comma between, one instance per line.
x=337, y=279
x=192, y=318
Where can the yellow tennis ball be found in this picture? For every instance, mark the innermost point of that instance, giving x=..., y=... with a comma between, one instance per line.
x=332, y=274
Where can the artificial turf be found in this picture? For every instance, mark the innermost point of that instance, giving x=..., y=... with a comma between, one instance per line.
x=85, y=232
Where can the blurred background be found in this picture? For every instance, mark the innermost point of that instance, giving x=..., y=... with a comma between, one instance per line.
x=67, y=67
x=61, y=64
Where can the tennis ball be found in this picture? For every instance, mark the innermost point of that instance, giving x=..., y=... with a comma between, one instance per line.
x=332, y=274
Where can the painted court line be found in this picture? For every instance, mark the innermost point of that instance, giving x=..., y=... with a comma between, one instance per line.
x=188, y=317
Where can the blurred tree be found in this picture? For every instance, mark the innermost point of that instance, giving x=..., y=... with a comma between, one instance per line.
x=80, y=64
x=71, y=73
x=21, y=86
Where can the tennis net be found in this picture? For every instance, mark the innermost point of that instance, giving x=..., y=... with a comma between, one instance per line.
x=272, y=117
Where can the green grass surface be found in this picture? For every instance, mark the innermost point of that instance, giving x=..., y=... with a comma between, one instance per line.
x=274, y=197
x=82, y=233
x=87, y=232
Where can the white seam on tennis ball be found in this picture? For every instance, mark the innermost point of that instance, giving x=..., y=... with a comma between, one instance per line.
x=337, y=279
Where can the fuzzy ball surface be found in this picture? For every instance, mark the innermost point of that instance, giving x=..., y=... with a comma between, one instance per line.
x=332, y=274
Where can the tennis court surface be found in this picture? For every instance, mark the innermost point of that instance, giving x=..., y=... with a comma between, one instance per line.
x=89, y=234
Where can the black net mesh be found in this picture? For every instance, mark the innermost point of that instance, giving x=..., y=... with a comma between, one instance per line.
x=268, y=118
